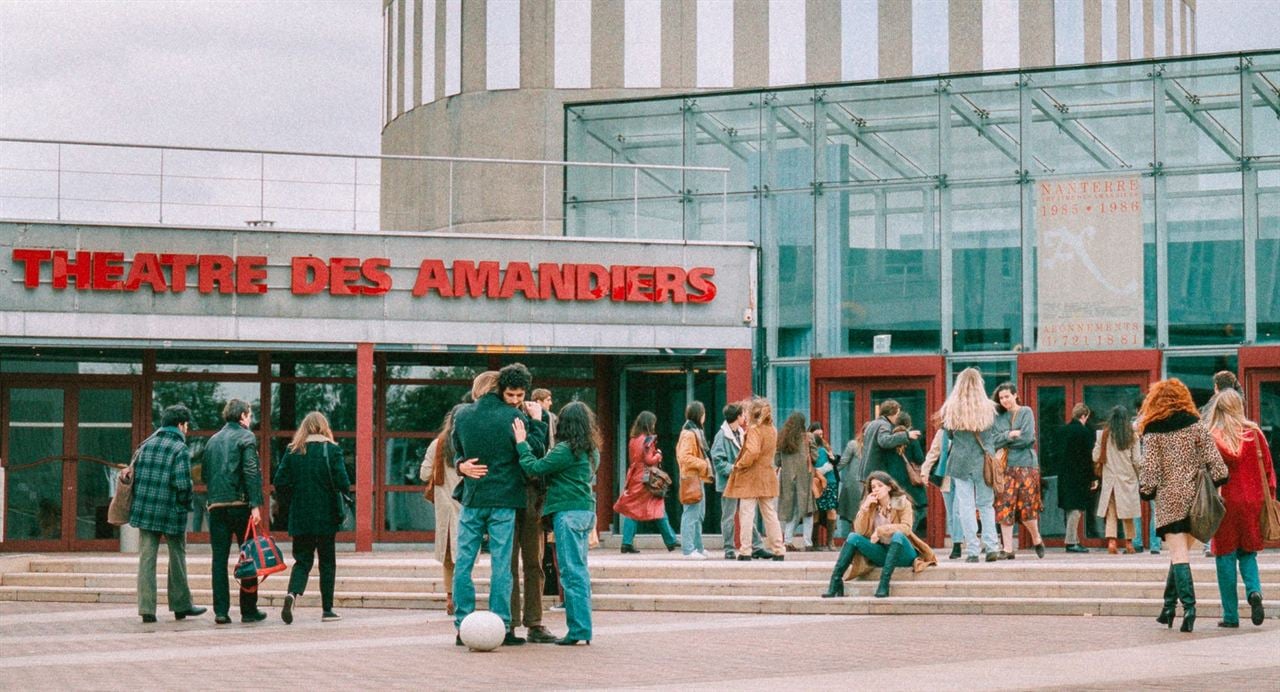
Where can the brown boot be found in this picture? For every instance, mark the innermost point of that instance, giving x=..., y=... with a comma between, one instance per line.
x=1111, y=546
x=1128, y=547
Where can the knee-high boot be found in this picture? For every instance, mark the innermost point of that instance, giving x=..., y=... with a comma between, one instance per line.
x=1186, y=594
x=1170, y=599
x=886, y=572
x=836, y=588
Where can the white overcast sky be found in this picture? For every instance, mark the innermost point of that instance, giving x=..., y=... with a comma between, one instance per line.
x=277, y=74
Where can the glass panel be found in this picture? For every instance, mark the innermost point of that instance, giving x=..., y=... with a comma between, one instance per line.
x=1267, y=247
x=1264, y=103
x=338, y=365
x=993, y=372
x=291, y=402
x=205, y=399
x=985, y=119
x=71, y=361
x=408, y=511
x=460, y=367
x=1269, y=415
x=652, y=218
x=33, y=493
x=199, y=520
x=1202, y=112
x=1101, y=398
x=403, y=460
x=792, y=217
x=642, y=132
x=1051, y=422
x=793, y=392
x=207, y=361
x=1206, y=259
x=725, y=131
x=1197, y=372
x=419, y=407
x=104, y=432
x=732, y=218
x=664, y=394
x=880, y=132
x=1091, y=122
x=914, y=402
x=986, y=258
x=842, y=419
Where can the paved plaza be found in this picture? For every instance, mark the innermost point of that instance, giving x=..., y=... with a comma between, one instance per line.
x=106, y=647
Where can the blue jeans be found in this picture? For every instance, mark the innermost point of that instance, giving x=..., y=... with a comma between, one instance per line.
x=973, y=497
x=500, y=522
x=1227, y=581
x=877, y=552
x=573, y=528
x=691, y=526
x=1153, y=539
x=953, y=517
x=630, y=525
x=729, y=521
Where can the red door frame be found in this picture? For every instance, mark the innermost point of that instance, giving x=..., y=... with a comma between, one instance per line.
x=893, y=372
x=1258, y=364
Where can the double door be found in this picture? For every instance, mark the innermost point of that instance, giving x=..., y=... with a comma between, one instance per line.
x=62, y=447
x=1052, y=398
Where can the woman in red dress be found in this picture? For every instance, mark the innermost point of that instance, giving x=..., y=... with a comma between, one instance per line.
x=1239, y=537
x=637, y=504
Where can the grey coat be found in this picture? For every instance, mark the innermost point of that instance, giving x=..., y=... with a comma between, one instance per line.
x=1021, y=449
x=964, y=456
x=880, y=447
x=724, y=451
x=795, y=485
x=850, y=495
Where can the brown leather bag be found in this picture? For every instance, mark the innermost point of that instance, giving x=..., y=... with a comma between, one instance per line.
x=993, y=466
x=819, y=485
x=690, y=490
x=1270, y=506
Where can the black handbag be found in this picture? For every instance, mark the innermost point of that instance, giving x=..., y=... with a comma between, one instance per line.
x=342, y=502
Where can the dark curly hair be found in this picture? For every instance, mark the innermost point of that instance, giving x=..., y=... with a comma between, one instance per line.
x=514, y=376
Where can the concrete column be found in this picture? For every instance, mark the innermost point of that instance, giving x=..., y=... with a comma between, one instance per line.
x=537, y=42
x=965, y=35
x=473, y=45
x=1123, y=36
x=400, y=53
x=1092, y=31
x=1148, y=26
x=1035, y=32
x=608, y=22
x=679, y=44
x=750, y=42
x=895, y=38
x=389, y=54
x=417, y=53
x=1169, y=9
x=823, y=47
x=441, y=20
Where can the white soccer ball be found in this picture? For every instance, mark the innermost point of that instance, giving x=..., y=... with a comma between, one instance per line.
x=482, y=631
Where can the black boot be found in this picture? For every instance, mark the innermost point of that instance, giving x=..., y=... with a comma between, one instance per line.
x=1186, y=594
x=886, y=572
x=836, y=588
x=955, y=551
x=1170, y=599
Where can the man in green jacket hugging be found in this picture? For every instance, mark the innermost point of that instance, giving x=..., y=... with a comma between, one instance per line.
x=493, y=491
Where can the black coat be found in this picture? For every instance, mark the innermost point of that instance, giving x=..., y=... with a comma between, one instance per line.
x=483, y=431
x=307, y=487
x=1076, y=473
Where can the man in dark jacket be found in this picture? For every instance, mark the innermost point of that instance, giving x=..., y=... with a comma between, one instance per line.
x=1075, y=478
x=161, y=500
x=530, y=540
x=234, y=491
x=493, y=491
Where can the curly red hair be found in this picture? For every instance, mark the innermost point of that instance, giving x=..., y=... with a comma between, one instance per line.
x=1166, y=398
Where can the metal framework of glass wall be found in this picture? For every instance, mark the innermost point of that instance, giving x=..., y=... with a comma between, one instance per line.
x=907, y=208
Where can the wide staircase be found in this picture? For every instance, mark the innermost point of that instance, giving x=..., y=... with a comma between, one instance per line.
x=1060, y=584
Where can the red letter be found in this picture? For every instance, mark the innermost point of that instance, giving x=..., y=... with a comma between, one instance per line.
x=519, y=277
x=31, y=260
x=343, y=271
x=589, y=273
x=618, y=280
x=700, y=281
x=557, y=279
x=216, y=269
x=468, y=278
x=668, y=280
x=432, y=275
x=639, y=279
x=80, y=269
x=310, y=274
x=251, y=271
x=145, y=267
x=374, y=270
x=107, y=270
x=178, y=266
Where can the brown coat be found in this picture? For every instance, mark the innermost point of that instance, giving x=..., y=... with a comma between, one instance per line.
x=901, y=518
x=753, y=474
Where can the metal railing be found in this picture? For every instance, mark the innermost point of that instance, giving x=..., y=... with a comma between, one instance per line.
x=108, y=182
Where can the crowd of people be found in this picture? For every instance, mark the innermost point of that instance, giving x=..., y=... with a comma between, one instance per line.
x=506, y=472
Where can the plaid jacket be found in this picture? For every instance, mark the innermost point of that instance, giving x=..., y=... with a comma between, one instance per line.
x=162, y=483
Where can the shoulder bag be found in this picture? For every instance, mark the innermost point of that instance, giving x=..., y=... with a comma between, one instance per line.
x=1270, y=506
x=259, y=557
x=122, y=502
x=993, y=466
x=656, y=481
x=1207, y=508
x=1101, y=463
x=341, y=501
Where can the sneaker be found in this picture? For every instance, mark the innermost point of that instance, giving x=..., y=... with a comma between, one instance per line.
x=730, y=555
x=993, y=556
x=256, y=616
x=971, y=558
x=330, y=616
x=512, y=640
x=1076, y=548
x=286, y=613
x=703, y=553
x=695, y=556
x=628, y=548
x=540, y=635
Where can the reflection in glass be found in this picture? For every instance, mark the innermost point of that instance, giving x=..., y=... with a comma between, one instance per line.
x=33, y=470
x=986, y=268
x=1051, y=423
x=793, y=391
x=205, y=399
x=1197, y=372
x=1206, y=259
x=408, y=511
x=842, y=420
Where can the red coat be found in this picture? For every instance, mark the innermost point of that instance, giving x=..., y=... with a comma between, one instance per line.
x=636, y=502
x=1241, y=527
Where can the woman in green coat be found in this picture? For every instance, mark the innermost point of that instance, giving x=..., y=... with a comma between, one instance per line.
x=309, y=485
x=570, y=469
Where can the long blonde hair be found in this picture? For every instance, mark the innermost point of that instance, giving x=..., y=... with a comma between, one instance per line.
x=313, y=424
x=760, y=411
x=967, y=407
x=1226, y=418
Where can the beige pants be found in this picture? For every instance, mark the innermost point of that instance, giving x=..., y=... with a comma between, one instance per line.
x=1111, y=521
x=769, y=515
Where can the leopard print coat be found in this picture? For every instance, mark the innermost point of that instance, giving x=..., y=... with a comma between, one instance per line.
x=1175, y=449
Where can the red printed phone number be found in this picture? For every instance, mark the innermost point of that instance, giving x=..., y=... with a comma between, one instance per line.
x=1093, y=340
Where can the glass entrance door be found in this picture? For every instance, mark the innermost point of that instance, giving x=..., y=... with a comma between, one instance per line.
x=1052, y=397
x=63, y=446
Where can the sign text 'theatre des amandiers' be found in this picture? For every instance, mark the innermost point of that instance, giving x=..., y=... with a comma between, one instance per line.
x=87, y=270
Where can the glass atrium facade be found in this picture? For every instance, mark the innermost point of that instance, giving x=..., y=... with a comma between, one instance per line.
x=908, y=208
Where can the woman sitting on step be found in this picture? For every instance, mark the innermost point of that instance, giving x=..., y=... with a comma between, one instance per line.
x=881, y=536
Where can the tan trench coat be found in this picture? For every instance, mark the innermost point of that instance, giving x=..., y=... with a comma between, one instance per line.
x=753, y=473
x=1120, y=476
x=448, y=510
